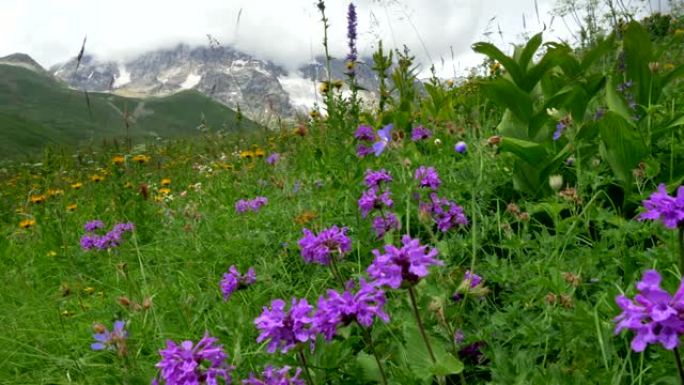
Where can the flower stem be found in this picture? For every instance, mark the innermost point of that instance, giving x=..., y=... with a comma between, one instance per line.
x=302, y=360
x=678, y=361
x=335, y=271
x=421, y=328
x=371, y=345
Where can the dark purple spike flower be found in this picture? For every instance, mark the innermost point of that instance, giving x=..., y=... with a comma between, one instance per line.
x=375, y=178
x=111, y=340
x=273, y=376
x=319, y=248
x=665, y=208
x=384, y=138
x=339, y=310
x=420, y=133
x=93, y=225
x=654, y=316
x=447, y=214
x=364, y=133
x=370, y=200
x=233, y=281
x=285, y=329
x=351, y=33
x=427, y=177
x=186, y=364
x=402, y=266
x=385, y=223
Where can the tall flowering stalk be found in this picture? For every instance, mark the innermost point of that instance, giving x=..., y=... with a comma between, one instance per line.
x=352, y=58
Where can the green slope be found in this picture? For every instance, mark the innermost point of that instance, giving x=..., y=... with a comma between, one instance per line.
x=36, y=110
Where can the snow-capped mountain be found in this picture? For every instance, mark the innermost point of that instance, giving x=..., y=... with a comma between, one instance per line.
x=227, y=75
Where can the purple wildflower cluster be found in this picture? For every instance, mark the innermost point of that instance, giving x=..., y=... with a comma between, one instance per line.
x=242, y=206
x=233, y=281
x=188, y=364
x=285, y=329
x=273, y=158
x=665, y=208
x=342, y=309
x=470, y=283
x=375, y=199
x=366, y=135
x=111, y=340
x=427, y=177
x=273, y=376
x=319, y=248
x=110, y=240
x=446, y=213
x=403, y=266
x=420, y=133
x=625, y=90
x=654, y=316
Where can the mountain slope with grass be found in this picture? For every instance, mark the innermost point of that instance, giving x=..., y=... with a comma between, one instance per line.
x=37, y=110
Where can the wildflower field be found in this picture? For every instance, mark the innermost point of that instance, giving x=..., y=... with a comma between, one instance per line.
x=523, y=227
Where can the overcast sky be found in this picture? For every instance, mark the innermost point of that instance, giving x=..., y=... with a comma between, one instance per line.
x=288, y=32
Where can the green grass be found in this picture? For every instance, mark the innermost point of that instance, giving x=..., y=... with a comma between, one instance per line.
x=37, y=110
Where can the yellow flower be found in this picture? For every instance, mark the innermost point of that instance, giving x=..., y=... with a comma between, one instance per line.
x=27, y=223
x=337, y=84
x=246, y=154
x=324, y=87
x=67, y=313
x=72, y=207
x=89, y=290
x=165, y=191
x=97, y=178
x=165, y=182
x=314, y=114
x=55, y=191
x=37, y=199
x=118, y=160
x=51, y=253
x=259, y=153
x=77, y=185
x=141, y=159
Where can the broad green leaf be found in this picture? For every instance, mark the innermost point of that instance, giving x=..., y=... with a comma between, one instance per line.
x=528, y=52
x=638, y=53
x=623, y=147
x=512, y=127
x=603, y=47
x=615, y=101
x=672, y=75
x=530, y=152
x=446, y=364
x=416, y=353
x=507, y=62
x=369, y=367
x=506, y=93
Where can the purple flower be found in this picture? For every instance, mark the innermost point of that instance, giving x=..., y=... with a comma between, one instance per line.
x=186, y=364
x=233, y=281
x=351, y=35
x=319, y=248
x=112, y=239
x=241, y=206
x=402, y=266
x=446, y=213
x=384, y=137
x=654, y=316
x=93, y=225
x=273, y=376
x=370, y=200
x=428, y=177
x=459, y=337
x=364, y=133
x=114, y=340
x=362, y=151
x=461, y=147
x=385, y=223
x=254, y=205
x=665, y=208
x=470, y=281
x=560, y=127
x=473, y=279
x=341, y=309
x=374, y=178
x=420, y=133
x=273, y=158
x=285, y=329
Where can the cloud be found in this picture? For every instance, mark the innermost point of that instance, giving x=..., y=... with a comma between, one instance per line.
x=287, y=32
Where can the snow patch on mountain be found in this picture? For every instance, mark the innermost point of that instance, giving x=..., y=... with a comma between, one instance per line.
x=302, y=91
x=191, y=81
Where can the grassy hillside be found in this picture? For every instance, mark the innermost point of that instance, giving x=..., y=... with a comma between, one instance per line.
x=36, y=110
